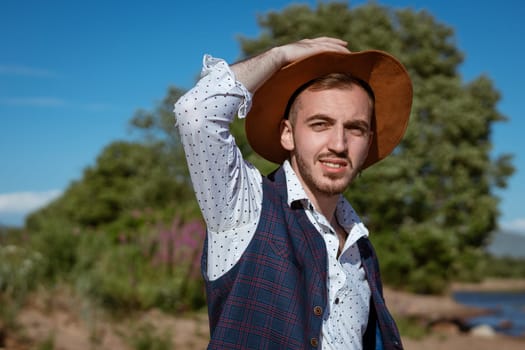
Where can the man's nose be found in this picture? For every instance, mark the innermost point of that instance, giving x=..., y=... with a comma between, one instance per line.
x=338, y=142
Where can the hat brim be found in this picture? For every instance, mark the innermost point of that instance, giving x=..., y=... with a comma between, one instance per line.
x=387, y=77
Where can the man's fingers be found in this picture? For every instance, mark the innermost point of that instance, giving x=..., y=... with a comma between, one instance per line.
x=307, y=47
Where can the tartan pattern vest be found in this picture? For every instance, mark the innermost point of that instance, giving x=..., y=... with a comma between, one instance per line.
x=275, y=296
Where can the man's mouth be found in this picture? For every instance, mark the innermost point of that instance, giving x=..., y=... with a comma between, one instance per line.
x=332, y=165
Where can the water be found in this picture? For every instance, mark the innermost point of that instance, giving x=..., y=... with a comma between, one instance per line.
x=508, y=307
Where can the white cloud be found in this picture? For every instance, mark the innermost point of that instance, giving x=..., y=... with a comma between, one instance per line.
x=26, y=202
x=53, y=102
x=33, y=101
x=517, y=225
x=25, y=71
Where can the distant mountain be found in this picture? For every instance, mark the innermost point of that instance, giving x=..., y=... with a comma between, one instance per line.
x=507, y=243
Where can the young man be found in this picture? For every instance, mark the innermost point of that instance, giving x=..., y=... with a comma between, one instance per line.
x=287, y=261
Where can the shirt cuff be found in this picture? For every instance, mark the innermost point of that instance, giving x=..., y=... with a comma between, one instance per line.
x=219, y=66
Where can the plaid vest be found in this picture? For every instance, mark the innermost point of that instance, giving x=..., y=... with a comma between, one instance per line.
x=276, y=294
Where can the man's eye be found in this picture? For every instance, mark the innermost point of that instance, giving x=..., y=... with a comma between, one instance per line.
x=358, y=131
x=319, y=125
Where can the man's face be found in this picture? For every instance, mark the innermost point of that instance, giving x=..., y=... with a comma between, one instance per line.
x=328, y=136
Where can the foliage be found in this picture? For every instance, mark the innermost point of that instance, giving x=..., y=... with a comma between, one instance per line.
x=158, y=268
x=148, y=173
x=504, y=267
x=411, y=328
x=57, y=242
x=145, y=337
x=430, y=205
x=20, y=273
x=127, y=176
x=125, y=234
x=47, y=344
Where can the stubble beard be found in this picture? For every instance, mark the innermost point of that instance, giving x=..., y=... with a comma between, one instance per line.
x=330, y=187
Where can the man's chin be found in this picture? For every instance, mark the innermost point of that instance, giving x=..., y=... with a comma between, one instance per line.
x=333, y=189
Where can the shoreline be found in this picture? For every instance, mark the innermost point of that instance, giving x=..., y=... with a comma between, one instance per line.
x=490, y=285
x=446, y=320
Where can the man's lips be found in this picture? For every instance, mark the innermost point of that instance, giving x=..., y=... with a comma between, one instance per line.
x=333, y=163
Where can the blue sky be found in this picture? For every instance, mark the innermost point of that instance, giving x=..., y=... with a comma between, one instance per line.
x=72, y=74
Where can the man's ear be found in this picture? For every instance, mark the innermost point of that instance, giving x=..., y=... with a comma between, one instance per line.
x=287, y=140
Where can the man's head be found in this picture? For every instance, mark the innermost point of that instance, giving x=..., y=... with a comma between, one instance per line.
x=384, y=74
x=327, y=131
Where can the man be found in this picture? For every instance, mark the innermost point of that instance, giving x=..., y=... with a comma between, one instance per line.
x=287, y=261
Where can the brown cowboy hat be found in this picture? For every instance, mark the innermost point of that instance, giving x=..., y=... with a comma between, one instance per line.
x=387, y=77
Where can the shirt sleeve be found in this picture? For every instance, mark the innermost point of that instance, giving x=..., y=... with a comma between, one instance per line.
x=228, y=189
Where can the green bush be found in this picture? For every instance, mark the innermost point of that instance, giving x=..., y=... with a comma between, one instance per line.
x=20, y=271
x=57, y=242
x=425, y=259
x=146, y=338
x=156, y=268
x=504, y=267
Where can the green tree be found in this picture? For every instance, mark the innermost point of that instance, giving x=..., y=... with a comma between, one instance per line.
x=430, y=206
x=148, y=173
x=126, y=176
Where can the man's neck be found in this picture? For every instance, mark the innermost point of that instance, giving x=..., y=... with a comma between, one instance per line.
x=325, y=205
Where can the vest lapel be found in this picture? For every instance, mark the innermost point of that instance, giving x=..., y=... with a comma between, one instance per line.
x=305, y=231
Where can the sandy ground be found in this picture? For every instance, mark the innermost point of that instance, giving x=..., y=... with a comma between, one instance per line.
x=69, y=324
x=464, y=342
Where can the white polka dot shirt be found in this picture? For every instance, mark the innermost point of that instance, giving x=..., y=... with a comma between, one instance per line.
x=229, y=192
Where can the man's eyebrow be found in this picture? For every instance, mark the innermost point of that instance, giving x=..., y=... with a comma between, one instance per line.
x=320, y=116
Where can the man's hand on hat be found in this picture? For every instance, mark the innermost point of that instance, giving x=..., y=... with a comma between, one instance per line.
x=307, y=47
x=254, y=71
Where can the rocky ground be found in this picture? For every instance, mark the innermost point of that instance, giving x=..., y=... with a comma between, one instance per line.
x=59, y=321
x=445, y=319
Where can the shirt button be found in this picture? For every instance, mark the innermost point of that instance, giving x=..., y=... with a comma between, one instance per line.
x=314, y=342
x=318, y=311
x=336, y=300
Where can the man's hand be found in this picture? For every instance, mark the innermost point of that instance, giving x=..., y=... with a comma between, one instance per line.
x=308, y=47
x=254, y=71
